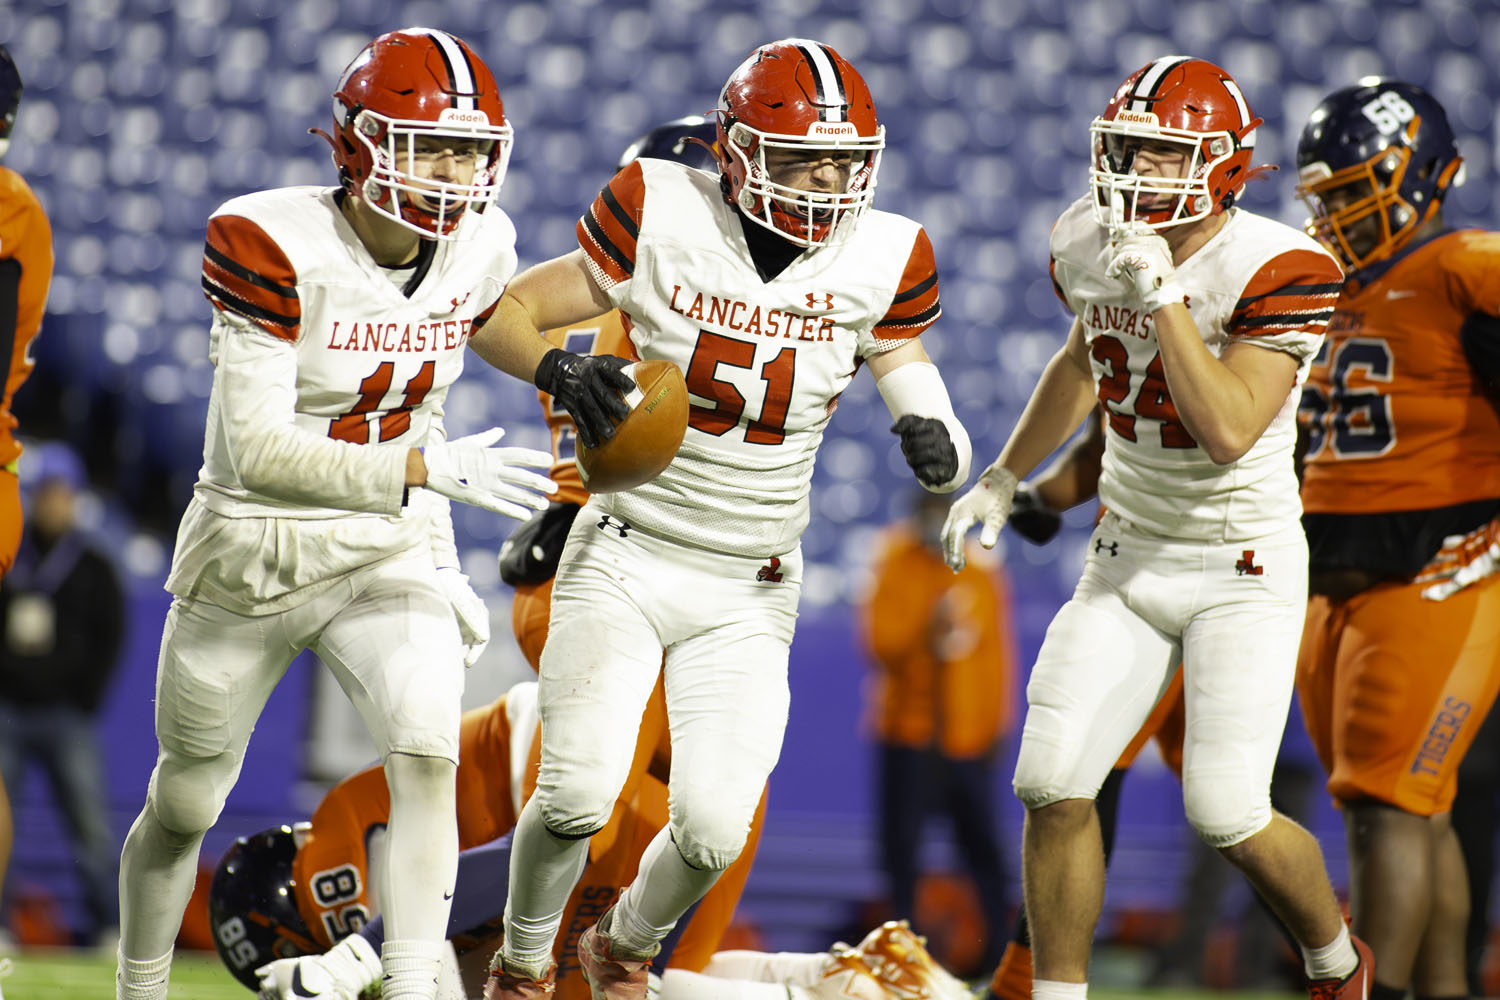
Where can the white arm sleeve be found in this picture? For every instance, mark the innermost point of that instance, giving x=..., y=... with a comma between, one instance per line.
x=257, y=382
x=918, y=389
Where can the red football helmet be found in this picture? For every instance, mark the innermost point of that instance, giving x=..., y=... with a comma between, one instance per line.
x=407, y=84
x=798, y=94
x=1174, y=100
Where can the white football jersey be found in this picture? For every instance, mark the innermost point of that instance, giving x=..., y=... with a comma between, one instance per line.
x=1256, y=280
x=765, y=361
x=313, y=339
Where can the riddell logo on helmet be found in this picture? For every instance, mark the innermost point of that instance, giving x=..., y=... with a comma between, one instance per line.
x=833, y=128
x=1135, y=117
x=464, y=117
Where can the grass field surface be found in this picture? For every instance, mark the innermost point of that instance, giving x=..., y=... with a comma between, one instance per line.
x=61, y=974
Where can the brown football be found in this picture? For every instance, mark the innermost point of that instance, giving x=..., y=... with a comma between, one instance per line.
x=647, y=440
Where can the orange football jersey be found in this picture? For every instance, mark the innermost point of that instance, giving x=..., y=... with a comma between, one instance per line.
x=25, y=237
x=1396, y=418
x=606, y=334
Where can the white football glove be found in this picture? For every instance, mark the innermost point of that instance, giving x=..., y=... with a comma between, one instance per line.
x=472, y=471
x=469, y=608
x=988, y=503
x=1142, y=258
x=341, y=973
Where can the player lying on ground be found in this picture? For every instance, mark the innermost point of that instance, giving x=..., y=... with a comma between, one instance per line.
x=305, y=901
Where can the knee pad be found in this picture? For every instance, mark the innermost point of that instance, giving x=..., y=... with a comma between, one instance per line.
x=579, y=808
x=187, y=796
x=711, y=840
x=1225, y=811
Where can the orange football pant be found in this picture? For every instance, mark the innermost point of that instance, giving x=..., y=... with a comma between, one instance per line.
x=1394, y=687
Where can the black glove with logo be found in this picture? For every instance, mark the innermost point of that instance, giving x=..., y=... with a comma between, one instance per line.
x=591, y=387
x=1032, y=519
x=928, y=449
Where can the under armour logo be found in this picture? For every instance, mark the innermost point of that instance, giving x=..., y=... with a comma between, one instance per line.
x=816, y=301
x=1113, y=547
x=455, y=303
x=770, y=572
x=608, y=522
x=1246, y=566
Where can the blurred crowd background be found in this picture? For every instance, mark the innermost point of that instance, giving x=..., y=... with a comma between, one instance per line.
x=141, y=116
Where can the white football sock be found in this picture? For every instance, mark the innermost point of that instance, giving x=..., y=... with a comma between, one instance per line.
x=421, y=848
x=1051, y=989
x=544, y=868
x=143, y=980
x=1334, y=960
x=157, y=871
x=663, y=889
x=410, y=969
x=800, y=967
x=679, y=984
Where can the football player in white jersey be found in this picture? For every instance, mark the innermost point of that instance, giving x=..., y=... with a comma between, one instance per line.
x=1195, y=323
x=769, y=284
x=320, y=516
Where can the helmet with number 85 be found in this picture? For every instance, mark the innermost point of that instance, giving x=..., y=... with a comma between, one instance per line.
x=252, y=907
x=403, y=86
x=1173, y=103
x=799, y=96
x=1387, y=150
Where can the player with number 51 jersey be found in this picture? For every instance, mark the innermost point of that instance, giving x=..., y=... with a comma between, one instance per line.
x=769, y=284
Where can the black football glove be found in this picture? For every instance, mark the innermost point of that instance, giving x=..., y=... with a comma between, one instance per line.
x=1032, y=519
x=591, y=387
x=928, y=449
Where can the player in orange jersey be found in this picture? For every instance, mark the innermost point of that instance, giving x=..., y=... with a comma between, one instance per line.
x=333, y=867
x=1400, y=655
x=312, y=890
x=25, y=274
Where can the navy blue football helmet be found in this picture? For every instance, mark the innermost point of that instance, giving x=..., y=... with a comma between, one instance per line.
x=252, y=907
x=1392, y=141
x=674, y=141
x=10, y=97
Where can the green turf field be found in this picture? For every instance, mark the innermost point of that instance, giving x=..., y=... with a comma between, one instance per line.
x=85, y=975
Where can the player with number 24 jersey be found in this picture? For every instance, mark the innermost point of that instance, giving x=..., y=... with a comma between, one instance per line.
x=1257, y=280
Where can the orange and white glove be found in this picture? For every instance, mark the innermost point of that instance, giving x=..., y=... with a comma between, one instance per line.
x=1463, y=560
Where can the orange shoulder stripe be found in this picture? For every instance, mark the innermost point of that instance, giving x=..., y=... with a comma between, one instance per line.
x=1295, y=290
x=609, y=229
x=246, y=273
x=915, y=305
